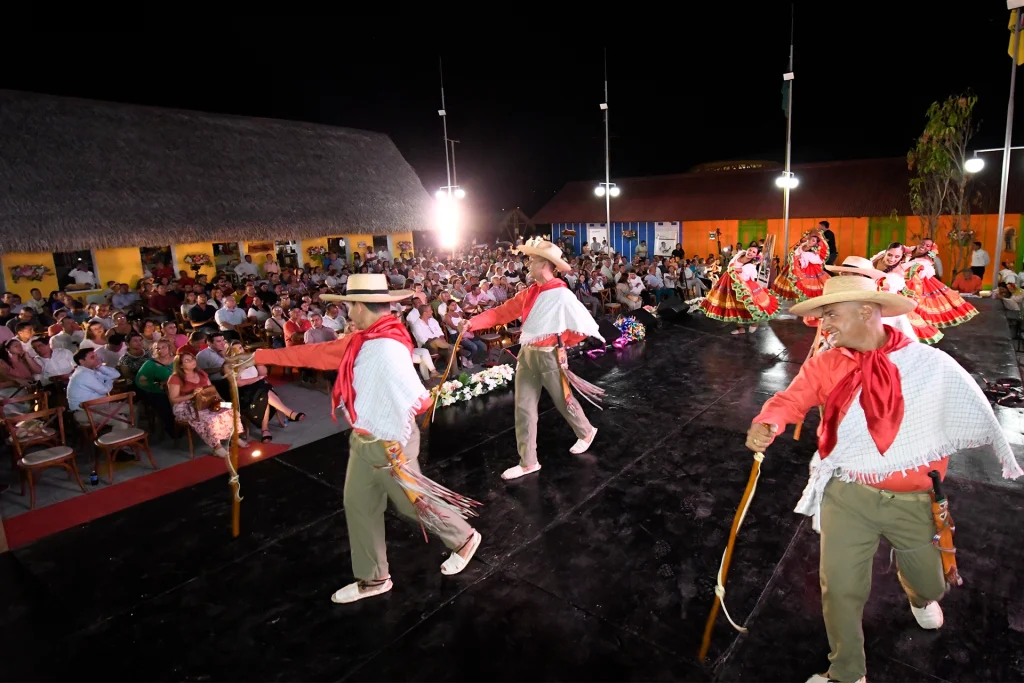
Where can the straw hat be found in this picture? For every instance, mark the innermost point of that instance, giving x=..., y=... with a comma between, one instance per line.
x=858, y=265
x=371, y=288
x=537, y=246
x=839, y=289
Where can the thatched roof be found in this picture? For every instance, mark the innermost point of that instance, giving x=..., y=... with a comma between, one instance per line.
x=78, y=174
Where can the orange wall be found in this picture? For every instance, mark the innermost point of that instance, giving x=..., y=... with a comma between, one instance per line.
x=852, y=236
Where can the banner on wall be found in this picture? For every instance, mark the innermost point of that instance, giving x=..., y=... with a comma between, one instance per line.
x=597, y=231
x=666, y=236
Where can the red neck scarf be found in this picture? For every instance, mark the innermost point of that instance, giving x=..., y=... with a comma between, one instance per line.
x=881, y=396
x=387, y=327
x=531, y=294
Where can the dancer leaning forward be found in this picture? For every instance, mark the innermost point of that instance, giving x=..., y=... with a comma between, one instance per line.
x=894, y=410
x=381, y=394
x=553, y=320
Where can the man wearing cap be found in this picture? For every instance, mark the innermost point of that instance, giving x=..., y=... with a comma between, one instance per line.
x=380, y=394
x=893, y=411
x=553, y=319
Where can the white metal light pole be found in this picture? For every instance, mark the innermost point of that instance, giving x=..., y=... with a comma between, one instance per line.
x=444, y=122
x=1005, y=179
x=788, y=181
x=607, y=153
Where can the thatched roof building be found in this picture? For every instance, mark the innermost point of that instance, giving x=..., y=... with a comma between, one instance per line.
x=80, y=174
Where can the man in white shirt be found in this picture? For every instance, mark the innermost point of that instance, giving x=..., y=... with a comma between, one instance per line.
x=428, y=333
x=383, y=255
x=606, y=270
x=70, y=336
x=112, y=352
x=82, y=275
x=247, y=268
x=56, y=363
x=332, y=280
x=1007, y=276
x=979, y=261
x=230, y=317
x=36, y=302
x=334, y=319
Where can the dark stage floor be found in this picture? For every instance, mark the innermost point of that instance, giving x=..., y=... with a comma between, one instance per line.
x=600, y=568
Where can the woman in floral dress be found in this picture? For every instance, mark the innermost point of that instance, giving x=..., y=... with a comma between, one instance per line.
x=212, y=427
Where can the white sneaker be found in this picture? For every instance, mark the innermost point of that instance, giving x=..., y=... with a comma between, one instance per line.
x=823, y=678
x=928, y=617
x=351, y=592
x=519, y=471
x=582, y=445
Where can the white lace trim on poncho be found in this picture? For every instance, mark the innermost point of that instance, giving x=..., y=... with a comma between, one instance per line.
x=556, y=311
x=388, y=390
x=944, y=412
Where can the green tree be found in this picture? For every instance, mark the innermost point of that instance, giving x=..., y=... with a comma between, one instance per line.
x=940, y=186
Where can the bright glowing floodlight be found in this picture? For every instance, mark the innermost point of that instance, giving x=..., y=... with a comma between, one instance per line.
x=787, y=181
x=974, y=164
x=447, y=221
x=441, y=194
x=615, y=191
x=599, y=190
x=460, y=193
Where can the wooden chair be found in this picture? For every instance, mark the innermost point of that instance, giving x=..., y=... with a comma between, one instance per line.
x=605, y=295
x=513, y=334
x=613, y=310
x=101, y=412
x=29, y=431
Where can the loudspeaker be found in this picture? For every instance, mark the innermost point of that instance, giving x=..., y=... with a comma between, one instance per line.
x=672, y=309
x=645, y=319
x=608, y=331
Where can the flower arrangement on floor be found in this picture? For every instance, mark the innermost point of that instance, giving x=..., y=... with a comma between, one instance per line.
x=467, y=386
x=197, y=261
x=317, y=254
x=32, y=272
x=631, y=330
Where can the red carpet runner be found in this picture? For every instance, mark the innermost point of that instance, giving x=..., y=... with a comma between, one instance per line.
x=106, y=499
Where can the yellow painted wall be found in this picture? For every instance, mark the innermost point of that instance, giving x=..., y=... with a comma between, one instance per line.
x=258, y=256
x=395, y=239
x=183, y=250
x=304, y=246
x=120, y=265
x=22, y=287
x=353, y=240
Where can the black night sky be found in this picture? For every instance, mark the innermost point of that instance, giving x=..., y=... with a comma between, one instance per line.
x=524, y=105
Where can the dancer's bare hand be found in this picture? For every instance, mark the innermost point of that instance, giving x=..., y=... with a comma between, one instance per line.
x=760, y=436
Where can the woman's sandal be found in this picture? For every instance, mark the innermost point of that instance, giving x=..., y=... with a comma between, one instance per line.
x=267, y=436
x=297, y=417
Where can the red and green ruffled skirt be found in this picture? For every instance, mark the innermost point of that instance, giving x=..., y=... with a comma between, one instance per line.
x=735, y=300
x=938, y=305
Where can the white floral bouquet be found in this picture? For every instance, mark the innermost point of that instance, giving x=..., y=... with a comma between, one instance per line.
x=467, y=386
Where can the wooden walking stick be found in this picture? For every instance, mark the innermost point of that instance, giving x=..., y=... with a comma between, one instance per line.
x=232, y=459
x=723, y=570
x=810, y=354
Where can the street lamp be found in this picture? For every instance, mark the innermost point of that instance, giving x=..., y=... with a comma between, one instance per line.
x=976, y=163
x=787, y=181
x=611, y=189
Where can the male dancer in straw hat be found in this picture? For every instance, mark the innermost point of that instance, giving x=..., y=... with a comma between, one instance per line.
x=380, y=393
x=860, y=266
x=894, y=411
x=553, y=319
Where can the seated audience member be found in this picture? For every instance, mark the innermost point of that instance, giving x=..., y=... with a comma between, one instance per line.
x=92, y=380
x=966, y=282
x=185, y=382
